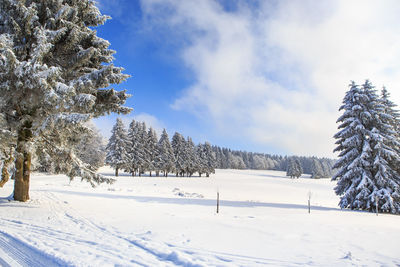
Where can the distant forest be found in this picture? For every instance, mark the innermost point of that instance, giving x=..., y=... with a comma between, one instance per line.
x=139, y=150
x=232, y=159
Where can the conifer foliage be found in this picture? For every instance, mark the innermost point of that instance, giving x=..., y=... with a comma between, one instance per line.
x=117, y=154
x=53, y=71
x=142, y=152
x=165, y=159
x=368, y=173
x=294, y=169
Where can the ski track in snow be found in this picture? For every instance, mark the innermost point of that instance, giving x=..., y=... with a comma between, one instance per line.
x=50, y=231
x=147, y=253
x=24, y=254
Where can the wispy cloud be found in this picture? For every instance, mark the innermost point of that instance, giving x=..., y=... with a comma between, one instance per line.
x=114, y=8
x=105, y=124
x=277, y=74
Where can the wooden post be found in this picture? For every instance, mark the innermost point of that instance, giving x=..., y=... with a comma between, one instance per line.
x=217, y=202
x=309, y=202
x=376, y=204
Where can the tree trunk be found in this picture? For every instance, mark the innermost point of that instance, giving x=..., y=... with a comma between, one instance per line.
x=23, y=164
x=116, y=171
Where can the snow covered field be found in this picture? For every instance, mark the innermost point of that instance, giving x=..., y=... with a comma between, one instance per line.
x=146, y=221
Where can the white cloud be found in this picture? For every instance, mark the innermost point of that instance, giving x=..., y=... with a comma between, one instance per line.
x=106, y=123
x=277, y=75
x=113, y=8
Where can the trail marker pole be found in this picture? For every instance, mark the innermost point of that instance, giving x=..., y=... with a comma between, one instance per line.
x=376, y=204
x=217, y=202
x=309, y=202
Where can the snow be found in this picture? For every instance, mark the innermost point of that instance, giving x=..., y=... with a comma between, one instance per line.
x=150, y=221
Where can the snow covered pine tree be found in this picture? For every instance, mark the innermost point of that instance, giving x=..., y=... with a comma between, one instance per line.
x=369, y=153
x=52, y=69
x=117, y=154
x=294, y=168
x=165, y=159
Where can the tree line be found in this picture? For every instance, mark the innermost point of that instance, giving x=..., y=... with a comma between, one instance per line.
x=138, y=150
x=233, y=159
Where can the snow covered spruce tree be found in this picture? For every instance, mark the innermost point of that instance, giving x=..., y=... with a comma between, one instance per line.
x=191, y=158
x=85, y=143
x=133, y=148
x=179, y=147
x=316, y=169
x=151, y=144
x=117, y=154
x=294, y=169
x=52, y=69
x=368, y=155
x=143, y=159
x=91, y=148
x=206, y=159
x=165, y=159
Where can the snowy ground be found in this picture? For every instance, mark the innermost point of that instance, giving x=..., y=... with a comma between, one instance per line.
x=263, y=220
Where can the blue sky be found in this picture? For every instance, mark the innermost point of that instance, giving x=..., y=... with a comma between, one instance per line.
x=264, y=76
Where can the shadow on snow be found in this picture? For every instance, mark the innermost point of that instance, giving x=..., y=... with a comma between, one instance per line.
x=201, y=202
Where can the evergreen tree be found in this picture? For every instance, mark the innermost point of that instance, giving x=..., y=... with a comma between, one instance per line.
x=165, y=159
x=326, y=168
x=52, y=69
x=133, y=147
x=201, y=164
x=291, y=168
x=141, y=150
x=317, y=170
x=209, y=159
x=354, y=147
x=152, y=148
x=179, y=146
x=294, y=169
x=192, y=161
x=117, y=154
x=91, y=148
x=367, y=153
x=299, y=168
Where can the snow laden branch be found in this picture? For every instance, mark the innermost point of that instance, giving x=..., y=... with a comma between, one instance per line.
x=63, y=154
x=54, y=70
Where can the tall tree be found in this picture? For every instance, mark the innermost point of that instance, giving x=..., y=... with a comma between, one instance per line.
x=142, y=150
x=165, y=159
x=179, y=146
x=52, y=69
x=354, y=146
x=152, y=147
x=117, y=154
x=191, y=158
x=131, y=147
x=206, y=159
x=317, y=170
x=294, y=168
x=366, y=171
